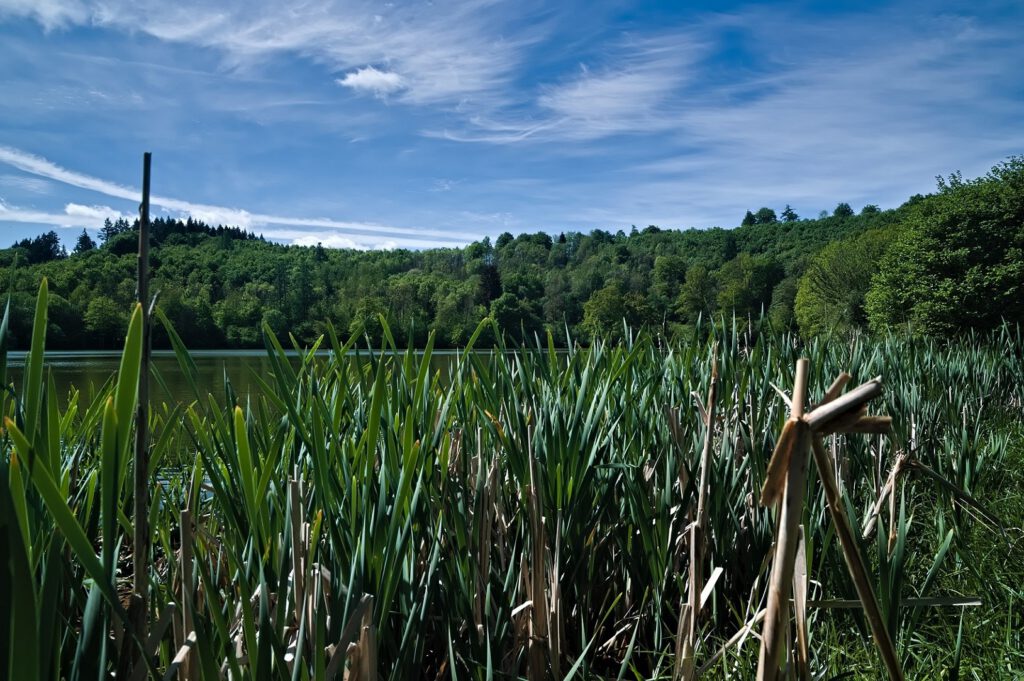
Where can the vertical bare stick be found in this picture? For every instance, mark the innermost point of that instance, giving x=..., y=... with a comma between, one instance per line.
x=685, y=665
x=140, y=542
x=776, y=621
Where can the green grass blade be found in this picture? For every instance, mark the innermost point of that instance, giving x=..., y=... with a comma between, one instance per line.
x=33, y=383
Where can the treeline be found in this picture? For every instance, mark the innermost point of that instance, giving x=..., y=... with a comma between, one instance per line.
x=937, y=265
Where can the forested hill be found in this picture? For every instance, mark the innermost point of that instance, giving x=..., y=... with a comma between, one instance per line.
x=938, y=264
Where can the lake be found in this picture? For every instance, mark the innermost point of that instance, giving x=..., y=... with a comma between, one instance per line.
x=89, y=370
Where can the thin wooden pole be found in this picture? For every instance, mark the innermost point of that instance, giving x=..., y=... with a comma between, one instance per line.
x=140, y=543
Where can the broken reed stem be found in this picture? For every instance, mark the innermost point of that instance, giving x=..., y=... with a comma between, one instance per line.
x=860, y=395
x=776, y=621
x=685, y=665
x=854, y=562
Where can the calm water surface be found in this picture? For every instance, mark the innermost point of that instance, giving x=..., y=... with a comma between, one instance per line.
x=89, y=370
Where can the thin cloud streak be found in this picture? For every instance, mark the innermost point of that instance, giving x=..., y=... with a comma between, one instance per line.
x=77, y=218
x=39, y=166
x=34, y=217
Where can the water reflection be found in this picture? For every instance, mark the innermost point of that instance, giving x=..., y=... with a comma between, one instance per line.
x=89, y=372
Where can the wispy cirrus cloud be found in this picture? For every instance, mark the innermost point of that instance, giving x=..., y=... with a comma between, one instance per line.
x=51, y=14
x=565, y=115
x=635, y=91
x=872, y=122
x=28, y=185
x=445, y=52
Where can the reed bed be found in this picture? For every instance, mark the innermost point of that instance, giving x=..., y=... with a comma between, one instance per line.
x=528, y=513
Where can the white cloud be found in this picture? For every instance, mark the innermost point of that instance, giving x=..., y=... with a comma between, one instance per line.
x=96, y=213
x=334, y=239
x=370, y=79
x=35, y=217
x=328, y=240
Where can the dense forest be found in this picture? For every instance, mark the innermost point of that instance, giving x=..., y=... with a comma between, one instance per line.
x=940, y=264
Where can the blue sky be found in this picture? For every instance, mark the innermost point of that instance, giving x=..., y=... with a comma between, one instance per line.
x=416, y=124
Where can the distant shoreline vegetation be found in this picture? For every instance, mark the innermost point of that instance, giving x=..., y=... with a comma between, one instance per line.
x=939, y=265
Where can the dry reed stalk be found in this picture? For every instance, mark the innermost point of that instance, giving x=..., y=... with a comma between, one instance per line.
x=854, y=562
x=803, y=656
x=298, y=559
x=182, y=656
x=303, y=606
x=167, y=616
x=186, y=672
x=743, y=632
x=538, y=591
x=342, y=650
x=851, y=401
x=933, y=602
x=483, y=548
x=554, y=613
x=368, y=648
x=844, y=531
x=776, y=622
x=686, y=659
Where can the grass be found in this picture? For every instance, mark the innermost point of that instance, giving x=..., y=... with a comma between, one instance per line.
x=523, y=516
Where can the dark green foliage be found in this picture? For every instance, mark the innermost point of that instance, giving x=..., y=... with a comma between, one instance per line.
x=84, y=243
x=830, y=298
x=765, y=216
x=960, y=261
x=842, y=210
x=219, y=285
x=958, y=267
x=112, y=229
x=43, y=248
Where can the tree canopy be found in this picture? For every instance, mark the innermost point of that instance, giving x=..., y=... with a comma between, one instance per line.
x=959, y=261
x=938, y=264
